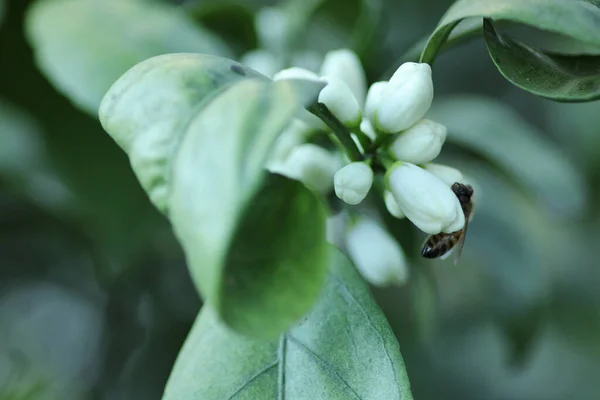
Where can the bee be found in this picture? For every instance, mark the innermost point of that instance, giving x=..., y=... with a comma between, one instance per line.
x=443, y=244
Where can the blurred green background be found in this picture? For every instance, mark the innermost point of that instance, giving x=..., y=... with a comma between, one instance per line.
x=95, y=298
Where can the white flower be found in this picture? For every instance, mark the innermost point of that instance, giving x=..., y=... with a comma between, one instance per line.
x=335, y=229
x=296, y=73
x=339, y=99
x=373, y=100
x=345, y=65
x=294, y=135
x=375, y=253
x=426, y=201
x=391, y=205
x=307, y=59
x=353, y=182
x=405, y=99
x=272, y=28
x=421, y=143
x=312, y=165
x=262, y=61
x=447, y=174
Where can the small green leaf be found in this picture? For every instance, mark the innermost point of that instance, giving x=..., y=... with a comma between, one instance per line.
x=83, y=46
x=198, y=130
x=344, y=349
x=489, y=128
x=557, y=77
x=577, y=19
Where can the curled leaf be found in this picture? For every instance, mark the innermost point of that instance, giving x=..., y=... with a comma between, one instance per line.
x=557, y=77
x=198, y=130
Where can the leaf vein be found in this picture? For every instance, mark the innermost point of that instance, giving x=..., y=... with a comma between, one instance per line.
x=324, y=364
x=349, y=296
x=253, y=378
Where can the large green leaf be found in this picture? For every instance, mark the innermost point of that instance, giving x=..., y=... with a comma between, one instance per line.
x=577, y=19
x=198, y=130
x=83, y=46
x=557, y=77
x=344, y=349
x=489, y=128
x=268, y=270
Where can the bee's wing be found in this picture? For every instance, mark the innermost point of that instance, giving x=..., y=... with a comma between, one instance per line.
x=448, y=253
x=461, y=242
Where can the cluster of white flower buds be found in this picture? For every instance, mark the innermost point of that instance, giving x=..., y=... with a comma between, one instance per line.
x=389, y=112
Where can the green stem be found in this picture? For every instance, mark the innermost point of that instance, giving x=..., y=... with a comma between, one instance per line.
x=363, y=140
x=339, y=130
x=381, y=140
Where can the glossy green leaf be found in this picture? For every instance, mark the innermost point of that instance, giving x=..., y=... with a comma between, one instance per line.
x=557, y=77
x=344, y=349
x=83, y=46
x=268, y=270
x=489, y=128
x=577, y=19
x=198, y=130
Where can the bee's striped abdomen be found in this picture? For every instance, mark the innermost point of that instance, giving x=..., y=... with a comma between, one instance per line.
x=439, y=244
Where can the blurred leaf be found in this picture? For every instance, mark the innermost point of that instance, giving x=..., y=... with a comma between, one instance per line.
x=277, y=261
x=51, y=337
x=83, y=46
x=575, y=18
x=233, y=22
x=20, y=140
x=2, y=6
x=23, y=161
x=343, y=349
x=557, y=77
x=489, y=128
x=198, y=143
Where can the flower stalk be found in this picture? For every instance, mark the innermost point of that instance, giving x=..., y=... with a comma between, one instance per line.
x=339, y=130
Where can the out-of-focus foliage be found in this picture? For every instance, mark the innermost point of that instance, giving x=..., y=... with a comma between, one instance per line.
x=96, y=299
x=98, y=41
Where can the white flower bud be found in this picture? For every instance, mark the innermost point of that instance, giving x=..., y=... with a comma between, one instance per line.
x=345, y=65
x=312, y=165
x=262, y=61
x=307, y=59
x=375, y=253
x=294, y=135
x=426, y=201
x=405, y=99
x=446, y=174
x=339, y=99
x=272, y=28
x=421, y=143
x=353, y=182
x=335, y=229
x=296, y=73
x=367, y=129
x=373, y=100
x=391, y=205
